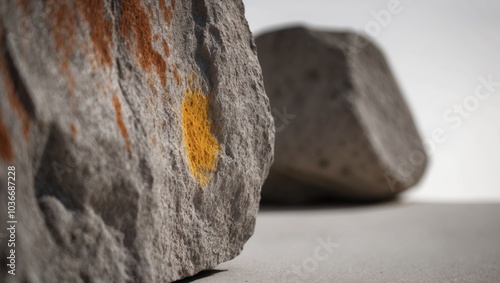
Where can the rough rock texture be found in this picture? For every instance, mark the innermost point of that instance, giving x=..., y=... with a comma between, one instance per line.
x=343, y=128
x=140, y=133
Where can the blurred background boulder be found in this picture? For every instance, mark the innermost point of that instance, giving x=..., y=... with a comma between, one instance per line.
x=343, y=129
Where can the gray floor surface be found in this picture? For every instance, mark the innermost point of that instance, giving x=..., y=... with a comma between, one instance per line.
x=393, y=242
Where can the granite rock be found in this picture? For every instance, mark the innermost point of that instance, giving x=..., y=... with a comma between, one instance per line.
x=343, y=128
x=140, y=133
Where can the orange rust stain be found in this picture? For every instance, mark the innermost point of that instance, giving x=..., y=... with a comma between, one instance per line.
x=71, y=79
x=156, y=37
x=13, y=98
x=167, y=11
x=63, y=33
x=25, y=5
x=6, y=152
x=74, y=131
x=166, y=48
x=153, y=140
x=173, y=4
x=134, y=21
x=176, y=75
x=119, y=120
x=101, y=29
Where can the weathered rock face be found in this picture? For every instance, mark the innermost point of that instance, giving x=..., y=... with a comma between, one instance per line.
x=140, y=134
x=347, y=131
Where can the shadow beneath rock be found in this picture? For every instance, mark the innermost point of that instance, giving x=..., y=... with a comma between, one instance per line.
x=200, y=275
x=325, y=203
x=283, y=192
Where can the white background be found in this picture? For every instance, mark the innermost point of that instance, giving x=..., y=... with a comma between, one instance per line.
x=437, y=50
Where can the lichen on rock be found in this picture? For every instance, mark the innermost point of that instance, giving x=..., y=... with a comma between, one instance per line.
x=201, y=145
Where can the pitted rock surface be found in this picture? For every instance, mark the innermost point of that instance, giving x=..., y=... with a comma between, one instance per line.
x=140, y=133
x=344, y=129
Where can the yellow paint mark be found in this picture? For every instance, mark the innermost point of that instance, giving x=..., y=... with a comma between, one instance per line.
x=201, y=145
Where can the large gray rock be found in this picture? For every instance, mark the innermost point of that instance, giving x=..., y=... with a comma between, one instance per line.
x=343, y=127
x=140, y=134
